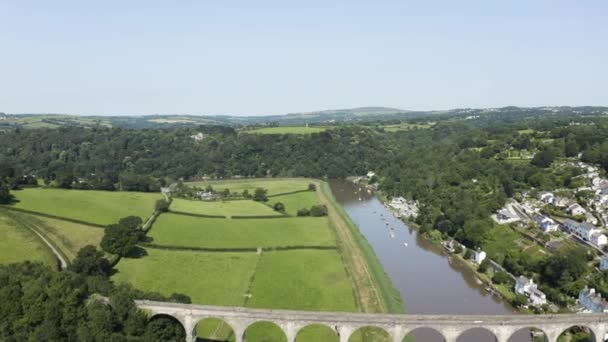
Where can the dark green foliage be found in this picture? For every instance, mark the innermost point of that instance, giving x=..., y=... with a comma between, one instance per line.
x=161, y=205
x=519, y=300
x=5, y=194
x=544, y=158
x=312, y=187
x=164, y=328
x=502, y=278
x=303, y=212
x=483, y=267
x=91, y=262
x=279, y=206
x=318, y=210
x=121, y=238
x=260, y=195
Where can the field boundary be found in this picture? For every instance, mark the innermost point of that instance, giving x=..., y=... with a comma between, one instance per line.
x=235, y=249
x=289, y=193
x=244, y=217
x=196, y=215
x=91, y=224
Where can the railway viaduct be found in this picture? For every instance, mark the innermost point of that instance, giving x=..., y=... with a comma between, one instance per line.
x=397, y=326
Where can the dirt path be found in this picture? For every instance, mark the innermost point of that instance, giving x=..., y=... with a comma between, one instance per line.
x=368, y=295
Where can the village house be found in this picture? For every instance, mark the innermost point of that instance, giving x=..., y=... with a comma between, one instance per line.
x=546, y=223
x=404, y=207
x=198, y=136
x=575, y=209
x=592, y=301
x=479, y=256
x=528, y=288
x=603, y=263
x=370, y=174
x=207, y=195
x=586, y=232
x=546, y=197
x=562, y=202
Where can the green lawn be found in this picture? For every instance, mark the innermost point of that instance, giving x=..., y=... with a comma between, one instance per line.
x=188, y=231
x=100, y=207
x=227, y=208
x=208, y=278
x=294, y=202
x=287, y=130
x=17, y=243
x=274, y=186
x=303, y=280
x=495, y=244
x=67, y=236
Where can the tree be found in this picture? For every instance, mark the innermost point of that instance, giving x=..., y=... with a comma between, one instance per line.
x=543, y=158
x=91, y=262
x=483, y=267
x=303, y=212
x=161, y=205
x=312, y=187
x=519, y=300
x=502, y=278
x=121, y=238
x=246, y=194
x=131, y=222
x=318, y=210
x=279, y=206
x=260, y=195
x=5, y=194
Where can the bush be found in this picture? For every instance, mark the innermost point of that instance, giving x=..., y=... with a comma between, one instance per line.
x=318, y=210
x=280, y=207
x=502, y=278
x=312, y=187
x=303, y=212
x=468, y=254
x=161, y=205
x=260, y=195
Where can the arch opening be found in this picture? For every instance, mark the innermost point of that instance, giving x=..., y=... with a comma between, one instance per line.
x=369, y=334
x=424, y=334
x=531, y=334
x=264, y=331
x=163, y=327
x=214, y=330
x=577, y=333
x=317, y=332
x=477, y=334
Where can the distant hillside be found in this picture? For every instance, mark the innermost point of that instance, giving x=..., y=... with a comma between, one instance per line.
x=323, y=117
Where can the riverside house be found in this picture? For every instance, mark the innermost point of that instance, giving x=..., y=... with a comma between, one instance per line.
x=528, y=288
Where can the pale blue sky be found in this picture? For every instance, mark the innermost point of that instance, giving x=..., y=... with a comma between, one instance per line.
x=274, y=57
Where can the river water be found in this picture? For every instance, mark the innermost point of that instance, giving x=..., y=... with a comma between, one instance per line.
x=429, y=281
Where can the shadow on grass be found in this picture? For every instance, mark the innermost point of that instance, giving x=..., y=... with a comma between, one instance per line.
x=137, y=253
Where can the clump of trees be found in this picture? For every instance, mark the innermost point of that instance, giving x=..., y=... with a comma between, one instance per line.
x=5, y=194
x=279, y=206
x=162, y=205
x=315, y=210
x=260, y=195
x=121, y=238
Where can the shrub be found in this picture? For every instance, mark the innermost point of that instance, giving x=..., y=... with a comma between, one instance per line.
x=161, y=205
x=502, y=278
x=279, y=206
x=260, y=195
x=318, y=210
x=312, y=187
x=303, y=212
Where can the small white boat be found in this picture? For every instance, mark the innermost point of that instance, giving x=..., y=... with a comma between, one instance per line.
x=405, y=244
x=359, y=198
x=392, y=235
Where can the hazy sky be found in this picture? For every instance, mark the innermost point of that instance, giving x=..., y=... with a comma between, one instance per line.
x=273, y=57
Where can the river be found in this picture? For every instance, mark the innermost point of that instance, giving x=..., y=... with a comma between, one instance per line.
x=429, y=282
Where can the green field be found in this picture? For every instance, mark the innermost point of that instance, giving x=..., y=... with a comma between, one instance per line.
x=405, y=127
x=225, y=208
x=188, y=231
x=99, y=207
x=294, y=202
x=274, y=186
x=303, y=280
x=208, y=278
x=17, y=243
x=67, y=236
x=287, y=130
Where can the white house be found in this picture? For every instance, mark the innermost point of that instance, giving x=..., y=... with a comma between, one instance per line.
x=598, y=239
x=479, y=256
x=370, y=174
x=575, y=209
x=592, y=301
x=603, y=263
x=546, y=196
x=526, y=287
x=546, y=223
x=583, y=230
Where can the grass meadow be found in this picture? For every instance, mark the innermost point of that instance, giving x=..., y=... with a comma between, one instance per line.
x=189, y=231
x=208, y=278
x=99, y=207
x=274, y=186
x=294, y=202
x=18, y=243
x=303, y=280
x=222, y=208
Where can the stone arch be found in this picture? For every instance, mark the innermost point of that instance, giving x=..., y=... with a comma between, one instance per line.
x=211, y=328
x=370, y=333
x=315, y=332
x=425, y=334
x=536, y=334
x=583, y=329
x=162, y=316
x=477, y=334
x=266, y=331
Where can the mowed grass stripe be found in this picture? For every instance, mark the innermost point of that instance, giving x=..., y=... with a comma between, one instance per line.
x=99, y=207
x=188, y=231
x=302, y=280
x=18, y=243
x=222, y=208
x=208, y=278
